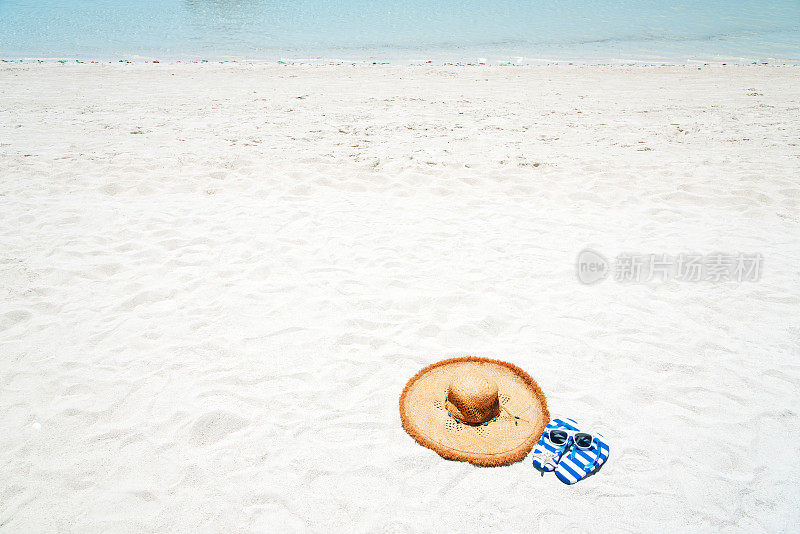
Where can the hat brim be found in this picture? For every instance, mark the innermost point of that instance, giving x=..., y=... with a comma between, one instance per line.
x=503, y=441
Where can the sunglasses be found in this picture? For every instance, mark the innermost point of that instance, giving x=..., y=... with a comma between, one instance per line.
x=580, y=440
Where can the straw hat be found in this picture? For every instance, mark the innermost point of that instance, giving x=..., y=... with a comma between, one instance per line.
x=476, y=410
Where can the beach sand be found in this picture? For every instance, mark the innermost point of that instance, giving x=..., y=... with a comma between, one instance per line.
x=215, y=281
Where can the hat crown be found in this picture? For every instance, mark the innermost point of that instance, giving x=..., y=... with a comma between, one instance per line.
x=473, y=397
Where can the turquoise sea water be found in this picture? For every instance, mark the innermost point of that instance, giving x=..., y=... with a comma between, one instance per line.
x=403, y=30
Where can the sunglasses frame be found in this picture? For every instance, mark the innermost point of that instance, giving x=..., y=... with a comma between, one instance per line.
x=571, y=436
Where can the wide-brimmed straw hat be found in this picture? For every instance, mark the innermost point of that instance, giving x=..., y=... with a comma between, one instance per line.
x=477, y=410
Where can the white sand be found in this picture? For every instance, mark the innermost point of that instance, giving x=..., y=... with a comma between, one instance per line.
x=216, y=279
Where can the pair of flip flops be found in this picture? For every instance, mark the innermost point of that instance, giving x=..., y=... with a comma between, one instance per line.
x=570, y=464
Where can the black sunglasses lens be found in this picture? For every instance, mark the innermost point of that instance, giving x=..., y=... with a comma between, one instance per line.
x=558, y=437
x=583, y=441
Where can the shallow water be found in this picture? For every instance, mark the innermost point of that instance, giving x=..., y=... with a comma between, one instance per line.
x=502, y=30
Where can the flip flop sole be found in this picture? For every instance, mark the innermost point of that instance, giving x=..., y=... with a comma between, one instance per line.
x=545, y=450
x=575, y=465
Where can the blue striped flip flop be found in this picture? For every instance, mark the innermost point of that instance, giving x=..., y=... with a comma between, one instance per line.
x=576, y=464
x=546, y=454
